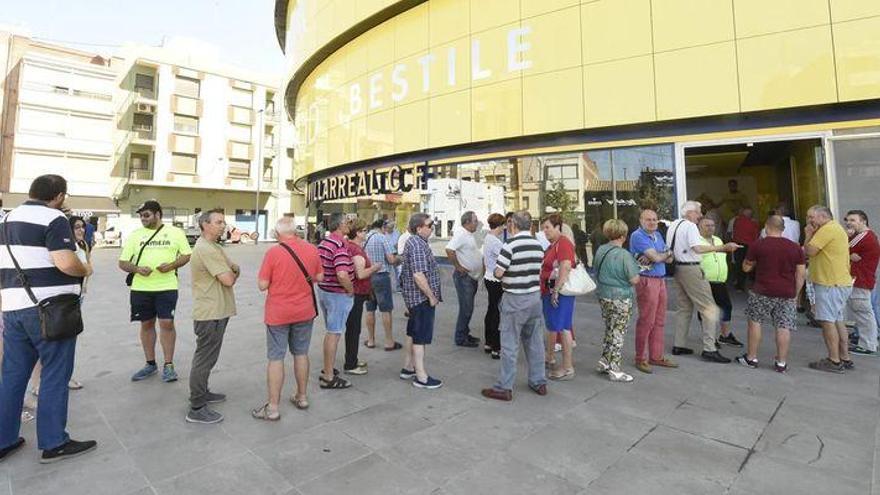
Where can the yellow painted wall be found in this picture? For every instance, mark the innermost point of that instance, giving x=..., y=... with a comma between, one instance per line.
x=588, y=64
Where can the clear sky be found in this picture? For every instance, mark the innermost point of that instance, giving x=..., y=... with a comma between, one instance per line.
x=242, y=30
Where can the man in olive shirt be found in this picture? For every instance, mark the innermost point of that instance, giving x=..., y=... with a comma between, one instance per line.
x=213, y=276
x=152, y=255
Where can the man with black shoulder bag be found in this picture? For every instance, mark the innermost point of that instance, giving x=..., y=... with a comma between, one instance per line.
x=41, y=317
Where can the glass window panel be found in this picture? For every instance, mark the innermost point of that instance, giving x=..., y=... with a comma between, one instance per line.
x=187, y=124
x=184, y=86
x=242, y=98
x=183, y=164
x=858, y=175
x=240, y=168
x=643, y=177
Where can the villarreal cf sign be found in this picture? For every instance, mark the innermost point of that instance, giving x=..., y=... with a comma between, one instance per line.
x=389, y=180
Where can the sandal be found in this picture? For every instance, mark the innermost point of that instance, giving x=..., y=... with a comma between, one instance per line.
x=562, y=375
x=368, y=345
x=263, y=413
x=335, y=383
x=74, y=384
x=395, y=347
x=301, y=404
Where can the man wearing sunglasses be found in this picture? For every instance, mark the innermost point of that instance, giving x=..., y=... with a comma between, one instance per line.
x=153, y=254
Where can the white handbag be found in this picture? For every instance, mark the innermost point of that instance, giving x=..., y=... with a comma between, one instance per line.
x=579, y=282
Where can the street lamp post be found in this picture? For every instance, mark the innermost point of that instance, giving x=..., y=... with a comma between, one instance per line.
x=259, y=168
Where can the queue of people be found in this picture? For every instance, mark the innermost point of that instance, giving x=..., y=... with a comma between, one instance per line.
x=352, y=268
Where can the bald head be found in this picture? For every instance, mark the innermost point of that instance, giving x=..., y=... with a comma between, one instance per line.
x=774, y=226
x=648, y=220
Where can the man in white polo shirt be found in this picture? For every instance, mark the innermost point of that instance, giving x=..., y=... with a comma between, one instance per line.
x=467, y=259
x=694, y=291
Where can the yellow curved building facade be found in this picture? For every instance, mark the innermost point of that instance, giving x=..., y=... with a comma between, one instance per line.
x=382, y=82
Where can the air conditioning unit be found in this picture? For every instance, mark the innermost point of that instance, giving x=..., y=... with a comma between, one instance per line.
x=145, y=108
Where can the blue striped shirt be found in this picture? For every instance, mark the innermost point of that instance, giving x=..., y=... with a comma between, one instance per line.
x=34, y=231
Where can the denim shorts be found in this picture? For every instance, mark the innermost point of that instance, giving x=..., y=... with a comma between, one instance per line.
x=420, y=325
x=830, y=302
x=382, y=289
x=295, y=337
x=335, y=306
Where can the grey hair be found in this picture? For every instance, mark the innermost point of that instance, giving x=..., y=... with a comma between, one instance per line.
x=691, y=206
x=285, y=226
x=467, y=217
x=823, y=210
x=336, y=219
x=205, y=217
x=522, y=220
x=416, y=221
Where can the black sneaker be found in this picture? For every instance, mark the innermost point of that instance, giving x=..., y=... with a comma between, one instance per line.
x=679, y=351
x=780, y=368
x=8, y=451
x=471, y=338
x=745, y=361
x=469, y=343
x=69, y=450
x=730, y=339
x=714, y=357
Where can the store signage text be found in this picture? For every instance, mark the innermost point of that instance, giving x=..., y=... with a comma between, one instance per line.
x=392, y=180
x=370, y=95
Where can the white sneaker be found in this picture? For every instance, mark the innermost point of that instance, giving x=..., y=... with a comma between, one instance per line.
x=619, y=376
x=557, y=347
x=602, y=366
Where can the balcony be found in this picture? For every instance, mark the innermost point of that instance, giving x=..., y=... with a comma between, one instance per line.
x=146, y=94
x=271, y=116
x=143, y=133
x=140, y=174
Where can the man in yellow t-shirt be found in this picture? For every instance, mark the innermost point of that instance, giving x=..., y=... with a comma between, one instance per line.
x=827, y=245
x=154, y=286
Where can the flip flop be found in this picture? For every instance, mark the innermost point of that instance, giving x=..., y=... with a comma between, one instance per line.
x=395, y=347
x=368, y=346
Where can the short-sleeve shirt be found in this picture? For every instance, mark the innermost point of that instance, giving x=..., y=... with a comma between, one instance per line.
x=561, y=250
x=618, y=268
x=289, y=297
x=521, y=257
x=864, y=270
x=168, y=244
x=687, y=235
x=830, y=266
x=211, y=299
x=745, y=230
x=377, y=246
x=362, y=286
x=334, y=258
x=776, y=260
x=465, y=246
x=640, y=241
x=714, y=264
x=491, y=249
x=35, y=231
x=418, y=258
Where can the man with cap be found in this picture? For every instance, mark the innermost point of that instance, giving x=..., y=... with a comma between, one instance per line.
x=152, y=256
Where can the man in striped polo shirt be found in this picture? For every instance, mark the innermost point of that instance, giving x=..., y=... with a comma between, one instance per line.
x=522, y=317
x=335, y=295
x=39, y=237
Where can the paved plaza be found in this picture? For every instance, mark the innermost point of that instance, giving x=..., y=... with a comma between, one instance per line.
x=701, y=429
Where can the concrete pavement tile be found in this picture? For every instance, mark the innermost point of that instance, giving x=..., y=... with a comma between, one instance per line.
x=636, y=473
x=763, y=474
x=651, y=404
x=581, y=446
x=168, y=458
x=302, y=457
x=500, y=474
x=5, y=483
x=371, y=475
x=243, y=474
x=92, y=474
x=437, y=456
x=683, y=452
x=382, y=425
x=717, y=425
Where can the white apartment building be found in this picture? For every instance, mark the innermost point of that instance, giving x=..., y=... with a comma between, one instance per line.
x=167, y=123
x=57, y=117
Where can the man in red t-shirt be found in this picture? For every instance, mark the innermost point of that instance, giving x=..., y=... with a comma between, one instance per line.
x=289, y=313
x=780, y=270
x=745, y=231
x=864, y=254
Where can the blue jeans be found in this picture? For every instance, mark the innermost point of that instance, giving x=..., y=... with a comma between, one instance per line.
x=22, y=347
x=875, y=301
x=522, y=320
x=466, y=288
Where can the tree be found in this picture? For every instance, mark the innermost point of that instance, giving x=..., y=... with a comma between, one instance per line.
x=560, y=200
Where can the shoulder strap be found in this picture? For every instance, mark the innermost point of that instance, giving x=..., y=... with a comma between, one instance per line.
x=304, y=272
x=21, y=276
x=141, y=252
x=599, y=266
x=674, y=233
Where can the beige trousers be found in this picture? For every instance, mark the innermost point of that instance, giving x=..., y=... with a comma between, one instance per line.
x=694, y=293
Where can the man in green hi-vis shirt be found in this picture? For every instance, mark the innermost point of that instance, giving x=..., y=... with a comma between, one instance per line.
x=153, y=254
x=714, y=265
